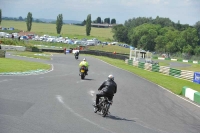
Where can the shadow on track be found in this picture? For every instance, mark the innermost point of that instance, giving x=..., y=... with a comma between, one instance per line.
x=88, y=79
x=118, y=118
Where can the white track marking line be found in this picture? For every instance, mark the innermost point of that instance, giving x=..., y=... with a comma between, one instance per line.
x=61, y=100
x=5, y=80
x=92, y=93
x=52, y=68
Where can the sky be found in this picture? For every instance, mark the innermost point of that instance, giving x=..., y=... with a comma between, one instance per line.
x=185, y=11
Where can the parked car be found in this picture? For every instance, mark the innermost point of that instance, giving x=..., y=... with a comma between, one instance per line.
x=51, y=40
x=30, y=36
x=23, y=38
x=3, y=34
x=104, y=43
x=8, y=35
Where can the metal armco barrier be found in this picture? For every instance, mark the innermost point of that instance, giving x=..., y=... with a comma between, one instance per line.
x=94, y=52
x=106, y=54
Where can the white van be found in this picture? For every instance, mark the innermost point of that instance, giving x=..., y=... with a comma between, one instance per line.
x=3, y=34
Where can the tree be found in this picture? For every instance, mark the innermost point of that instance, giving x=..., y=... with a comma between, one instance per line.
x=84, y=22
x=107, y=20
x=197, y=26
x=131, y=23
x=162, y=21
x=197, y=51
x=188, y=49
x=190, y=36
x=143, y=36
x=120, y=33
x=59, y=23
x=0, y=16
x=99, y=20
x=29, y=21
x=163, y=38
x=161, y=44
x=88, y=25
x=113, y=21
x=20, y=18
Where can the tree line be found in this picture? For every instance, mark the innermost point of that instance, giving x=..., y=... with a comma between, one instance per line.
x=59, y=22
x=159, y=34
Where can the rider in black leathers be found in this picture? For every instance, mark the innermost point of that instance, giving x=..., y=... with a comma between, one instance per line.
x=108, y=89
x=76, y=53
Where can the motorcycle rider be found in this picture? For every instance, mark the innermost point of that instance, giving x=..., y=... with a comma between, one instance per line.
x=108, y=89
x=84, y=63
x=76, y=53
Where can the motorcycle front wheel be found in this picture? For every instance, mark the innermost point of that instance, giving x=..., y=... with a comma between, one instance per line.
x=95, y=110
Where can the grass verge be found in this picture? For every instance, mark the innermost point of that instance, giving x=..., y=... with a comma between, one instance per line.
x=173, y=84
x=13, y=65
x=38, y=55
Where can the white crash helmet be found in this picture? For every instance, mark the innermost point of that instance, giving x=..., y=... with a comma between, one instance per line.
x=111, y=77
x=84, y=59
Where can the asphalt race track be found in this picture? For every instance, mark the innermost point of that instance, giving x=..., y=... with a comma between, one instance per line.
x=60, y=102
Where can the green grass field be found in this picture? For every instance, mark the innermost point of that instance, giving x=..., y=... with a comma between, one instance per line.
x=103, y=34
x=38, y=55
x=110, y=48
x=191, y=67
x=13, y=65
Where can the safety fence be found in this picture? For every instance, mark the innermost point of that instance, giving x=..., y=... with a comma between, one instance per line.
x=183, y=74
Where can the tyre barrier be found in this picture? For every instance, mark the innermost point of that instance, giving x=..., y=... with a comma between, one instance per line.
x=2, y=53
x=183, y=74
x=191, y=94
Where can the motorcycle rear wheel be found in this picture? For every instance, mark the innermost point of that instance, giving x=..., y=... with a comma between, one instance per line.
x=82, y=75
x=104, y=110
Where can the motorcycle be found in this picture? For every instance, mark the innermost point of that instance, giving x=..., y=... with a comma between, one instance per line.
x=76, y=57
x=103, y=106
x=82, y=72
